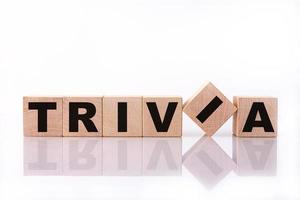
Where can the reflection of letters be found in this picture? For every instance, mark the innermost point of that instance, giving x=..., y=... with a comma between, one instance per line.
x=82, y=159
x=161, y=149
x=206, y=160
x=122, y=155
x=82, y=156
x=43, y=156
x=42, y=159
x=162, y=156
x=258, y=154
x=255, y=156
x=209, y=162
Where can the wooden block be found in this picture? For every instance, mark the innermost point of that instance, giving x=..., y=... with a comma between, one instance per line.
x=162, y=156
x=208, y=162
x=162, y=116
x=82, y=116
x=209, y=108
x=122, y=116
x=255, y=156
x=42, y=116
x=256, y=117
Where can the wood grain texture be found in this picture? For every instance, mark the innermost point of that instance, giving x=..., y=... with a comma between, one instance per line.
x=200, y=100
x=134, y=115
x=54, y=117
x=162, y=102
x=96, y=119
x=244, y=105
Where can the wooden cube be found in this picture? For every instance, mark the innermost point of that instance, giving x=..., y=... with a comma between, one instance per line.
x=42, y=116
x=82, y=116
x=209, y=108
x=208, y=162
x=162, y=116
x=256, y=117
x=255, y=156
x=122, y=116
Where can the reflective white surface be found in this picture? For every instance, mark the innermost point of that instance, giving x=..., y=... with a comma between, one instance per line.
x=205, y=160
x=91, y=167
x=107, y=156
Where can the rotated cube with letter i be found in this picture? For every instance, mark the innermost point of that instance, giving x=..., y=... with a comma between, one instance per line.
x=209, y=108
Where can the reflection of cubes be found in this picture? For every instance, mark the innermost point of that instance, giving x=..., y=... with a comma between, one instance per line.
x=162, y=156
x=122, y=156
x=42, y=156
x=208, y=162
x=255, y=156
x=82, y=156
x=209, y=108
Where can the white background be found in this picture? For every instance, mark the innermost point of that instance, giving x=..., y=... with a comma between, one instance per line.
x=154, y=47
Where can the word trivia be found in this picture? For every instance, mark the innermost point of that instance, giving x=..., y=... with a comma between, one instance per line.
x=154, y=116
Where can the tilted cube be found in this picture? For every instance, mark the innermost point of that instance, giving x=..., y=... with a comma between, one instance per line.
x=209, y=108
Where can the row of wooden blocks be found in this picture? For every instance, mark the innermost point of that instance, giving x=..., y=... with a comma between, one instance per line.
x=148, y=116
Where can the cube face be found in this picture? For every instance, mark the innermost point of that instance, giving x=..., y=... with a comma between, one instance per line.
x=122, y=116
x=42, y=116
x=162, y=116
x=76, y=108
x=256, y=117
x=255, y=156
x=209, y=108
